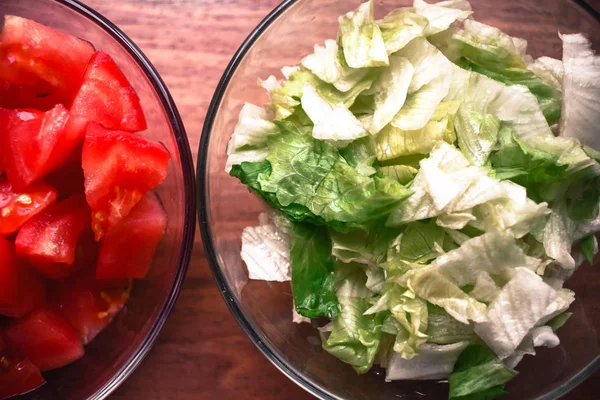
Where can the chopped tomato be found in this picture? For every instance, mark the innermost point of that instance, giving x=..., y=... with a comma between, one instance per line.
x=90, y=305
x=49, y=240
x=68, y=180
x=128, y=248
x=45, y=338
x=119, y=168
x=36, y=143
x=33, y=55
x=39, y=96
x=21, y=289
x=16, y=207
x=18, y=376
x=107, y=97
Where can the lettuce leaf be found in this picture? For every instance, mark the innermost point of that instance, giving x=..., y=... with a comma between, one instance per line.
x=266, y=251
x=478, y=375
x=361, y=38
x=443, y=329
x=434, y=362
x=313, y=174
x=354, y=337
x=581, y=86
x=401, y=26
x=443, y=14
x=312, y=263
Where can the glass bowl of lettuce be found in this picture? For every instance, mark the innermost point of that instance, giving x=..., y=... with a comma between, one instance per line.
x=400, y=200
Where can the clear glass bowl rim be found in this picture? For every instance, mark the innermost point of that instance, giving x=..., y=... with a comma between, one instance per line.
x=187, y=167
x=205, y=230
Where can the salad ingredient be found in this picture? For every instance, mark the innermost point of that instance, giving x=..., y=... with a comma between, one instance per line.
x=21, y=289
x=433, y=188
x=89, y=305
x=128, y=247
x=36, y=143
x=107, y=97
x=16, y=207
x=119, y=168
x=18, y=376
x=77, y=219
x=49, y=240
x=42, y=60
x=44, y=338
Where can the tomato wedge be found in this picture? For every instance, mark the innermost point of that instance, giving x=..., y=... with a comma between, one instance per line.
x=119, y=168
x=18, y=376
x=16, y=207
x=45, y=338
x=36, y=143
x=21, y=289
x=34, y=55
x=107, y=97
x=40, y=96
x=68, y=180
x=49, y=240
x=128, y=248
x=89, y=305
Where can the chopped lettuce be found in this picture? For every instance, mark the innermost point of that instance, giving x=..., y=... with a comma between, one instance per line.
x=581, y=87
x=313, y=282
x=266, y=251
x=478, y=374
x=521, y=303
x=313, y=174
x=433, y=187
x=361, y=38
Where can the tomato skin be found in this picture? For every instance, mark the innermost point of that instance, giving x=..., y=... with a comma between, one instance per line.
x=33, y=55
x=107, y=97
x=119, y=168
x=45, y=338
x=36, y=143
x=128, y=248
x=16, y=207
x=49, y=240
x=18, y=376
x=89, y=305
x=21, y=289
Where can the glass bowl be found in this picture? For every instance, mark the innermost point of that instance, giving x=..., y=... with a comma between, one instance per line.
x=264, y=309
x=118, y=350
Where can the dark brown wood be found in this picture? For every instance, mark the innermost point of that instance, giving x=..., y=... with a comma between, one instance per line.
x=202, y=353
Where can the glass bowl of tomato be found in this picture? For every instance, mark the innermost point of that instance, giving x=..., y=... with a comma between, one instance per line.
x=97, y=202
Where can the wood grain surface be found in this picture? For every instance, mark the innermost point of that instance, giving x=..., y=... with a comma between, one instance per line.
x=202, y=353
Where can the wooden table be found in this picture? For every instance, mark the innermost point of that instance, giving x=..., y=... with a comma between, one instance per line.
x=202, y=353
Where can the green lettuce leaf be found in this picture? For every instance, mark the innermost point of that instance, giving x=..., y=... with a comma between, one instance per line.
x=420, y=242
x=557, y=322
x=401, y=26
x=478, y=375
x=477, y=134
x=312, y=263
x=367, y=247
x=355, y=337
x=434, y=362
x=312, y=173
x=360, y=155
x=589, y=247
x=361, y=38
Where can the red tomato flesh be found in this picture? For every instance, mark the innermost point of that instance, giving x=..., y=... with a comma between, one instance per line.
x=16, y=207
x=36, y=143
x=119, y=168
x=89, y=305
x=45, y=338
x=107, y=97
x=21, y=289
x=18, y=376
x=35, y=55
x=40, y=96
x=128, y=248
x=49, y=240
x=68, y=180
